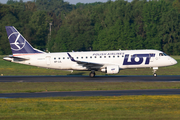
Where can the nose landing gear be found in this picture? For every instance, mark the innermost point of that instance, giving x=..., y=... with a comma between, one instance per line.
x=154, y=71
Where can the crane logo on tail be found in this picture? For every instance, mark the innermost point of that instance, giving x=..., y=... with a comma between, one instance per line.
x=17, y=41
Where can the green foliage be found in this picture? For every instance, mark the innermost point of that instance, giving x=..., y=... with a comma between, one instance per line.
x=38, y=25
x=9, y=2
x=121, y=25
x=82, y=5
x=32, y=24
x=94, y=26
x=56, y=6
x=176, y=4
x=75, y=34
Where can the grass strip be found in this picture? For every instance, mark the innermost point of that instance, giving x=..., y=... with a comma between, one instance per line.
x=28, y=87
x=87, y=108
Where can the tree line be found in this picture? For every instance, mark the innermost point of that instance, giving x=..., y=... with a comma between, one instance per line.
x=113, y=25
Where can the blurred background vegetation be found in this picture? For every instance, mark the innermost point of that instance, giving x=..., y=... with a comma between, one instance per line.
x=113, y=25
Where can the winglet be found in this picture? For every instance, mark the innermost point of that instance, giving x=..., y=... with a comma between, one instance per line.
x=72, y=59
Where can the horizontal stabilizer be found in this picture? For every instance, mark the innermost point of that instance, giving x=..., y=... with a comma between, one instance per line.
x=11, y=58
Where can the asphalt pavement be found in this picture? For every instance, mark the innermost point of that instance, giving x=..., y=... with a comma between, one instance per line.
x=88, y=79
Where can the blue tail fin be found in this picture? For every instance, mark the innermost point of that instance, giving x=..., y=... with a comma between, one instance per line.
x=19, y=45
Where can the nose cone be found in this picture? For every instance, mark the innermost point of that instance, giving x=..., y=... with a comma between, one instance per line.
x=173, y=61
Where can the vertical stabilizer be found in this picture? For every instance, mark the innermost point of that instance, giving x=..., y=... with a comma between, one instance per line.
x=19, y=45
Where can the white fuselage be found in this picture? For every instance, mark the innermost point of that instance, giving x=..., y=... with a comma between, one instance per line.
x=122, y=58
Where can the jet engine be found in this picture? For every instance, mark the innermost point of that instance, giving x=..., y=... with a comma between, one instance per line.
x=113, y=69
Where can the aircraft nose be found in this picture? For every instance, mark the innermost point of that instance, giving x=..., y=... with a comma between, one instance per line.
x=173, y=61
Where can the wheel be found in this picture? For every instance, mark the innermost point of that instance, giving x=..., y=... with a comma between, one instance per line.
x=155, y=75
x=92, y=74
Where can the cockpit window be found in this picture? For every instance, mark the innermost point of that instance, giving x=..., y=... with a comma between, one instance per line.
x=162, y=54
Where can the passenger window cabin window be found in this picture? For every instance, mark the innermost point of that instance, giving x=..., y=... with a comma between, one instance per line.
x=76, y=57
x=100, y=56
x=59, y=58
x=109, y=56
x=63, y=57
x=113, y=56
x=90, y=56
x=104, y=56
x=86, y=57
x=67, y=57
x=81, y=57
x=118, y=56
x=54, y=58
x=94, y=56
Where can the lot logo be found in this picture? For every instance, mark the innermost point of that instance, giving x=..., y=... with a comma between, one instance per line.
x=17, y=41
x=137, y=59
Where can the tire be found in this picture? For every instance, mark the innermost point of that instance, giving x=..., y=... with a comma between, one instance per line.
x=91, y=74
x=155, y=75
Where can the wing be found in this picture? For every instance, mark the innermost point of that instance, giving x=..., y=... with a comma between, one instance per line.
x=86, y=64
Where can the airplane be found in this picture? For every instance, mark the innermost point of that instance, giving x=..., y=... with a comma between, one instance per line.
x=109, y=62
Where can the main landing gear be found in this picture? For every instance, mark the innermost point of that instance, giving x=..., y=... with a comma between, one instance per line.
x=92, y=74
x=154, y=71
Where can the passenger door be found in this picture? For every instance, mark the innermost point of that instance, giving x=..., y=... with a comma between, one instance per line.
x=48, y=60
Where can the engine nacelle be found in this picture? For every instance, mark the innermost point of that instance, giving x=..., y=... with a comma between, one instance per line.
x=113, y=69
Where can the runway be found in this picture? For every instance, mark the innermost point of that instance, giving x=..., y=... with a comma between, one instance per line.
x=88, y=79
x=159, y=78
x=92, y=93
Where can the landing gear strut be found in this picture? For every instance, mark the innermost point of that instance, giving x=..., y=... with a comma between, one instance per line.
x=92, y=74
x=154, y=71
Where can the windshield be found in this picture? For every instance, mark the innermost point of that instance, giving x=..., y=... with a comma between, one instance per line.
x=162, y=54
